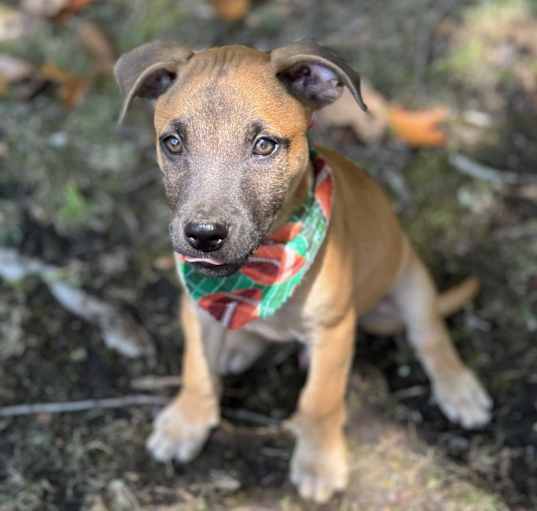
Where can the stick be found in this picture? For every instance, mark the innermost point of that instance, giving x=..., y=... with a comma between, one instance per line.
x=477, y=170
x=80, y=406
x=155, y=382
x=119, y=330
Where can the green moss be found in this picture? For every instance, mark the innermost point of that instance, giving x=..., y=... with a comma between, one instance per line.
x=464, y=59
x=75, y=210
x=436, y=214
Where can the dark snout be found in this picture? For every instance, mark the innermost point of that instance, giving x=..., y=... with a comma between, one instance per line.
x=217, y=240
x=205, y=236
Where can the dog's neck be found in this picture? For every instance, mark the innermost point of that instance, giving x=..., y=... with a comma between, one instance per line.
x=297, y=195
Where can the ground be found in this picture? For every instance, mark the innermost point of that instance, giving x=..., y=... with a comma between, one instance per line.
x=80, y=194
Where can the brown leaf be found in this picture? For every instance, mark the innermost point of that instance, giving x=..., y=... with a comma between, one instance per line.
x=419, y=128
x=72, y=7
x=164, y=263
x=98, y=45
x=72, y=87
x=345, y=112
x=59, y=10
x=231, y=10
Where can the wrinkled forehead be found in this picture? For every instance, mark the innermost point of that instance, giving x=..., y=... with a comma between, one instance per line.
x=231, y=89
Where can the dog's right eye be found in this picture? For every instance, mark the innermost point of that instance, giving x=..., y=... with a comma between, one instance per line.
x=173, y=144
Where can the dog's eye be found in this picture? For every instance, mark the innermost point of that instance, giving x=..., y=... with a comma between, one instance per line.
x=264, y=146
x=173, y=144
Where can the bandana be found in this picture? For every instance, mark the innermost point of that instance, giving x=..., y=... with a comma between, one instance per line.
x=271, y=274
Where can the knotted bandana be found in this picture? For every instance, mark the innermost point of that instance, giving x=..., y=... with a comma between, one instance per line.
x=272, y=273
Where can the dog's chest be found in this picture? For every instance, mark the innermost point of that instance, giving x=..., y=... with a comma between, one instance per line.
x=287, y=324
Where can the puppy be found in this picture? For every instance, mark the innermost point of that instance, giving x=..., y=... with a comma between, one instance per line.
x=276, y=240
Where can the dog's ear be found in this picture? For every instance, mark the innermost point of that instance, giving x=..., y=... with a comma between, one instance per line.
x=148, y=71
x=314, y=74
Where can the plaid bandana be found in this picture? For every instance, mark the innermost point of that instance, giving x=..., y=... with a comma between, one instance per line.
x=272, y=273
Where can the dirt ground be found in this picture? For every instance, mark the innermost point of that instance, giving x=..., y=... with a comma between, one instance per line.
x=79, y=194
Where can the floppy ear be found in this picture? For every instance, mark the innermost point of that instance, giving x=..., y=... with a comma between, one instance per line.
x=314, y=74
x=148, y=71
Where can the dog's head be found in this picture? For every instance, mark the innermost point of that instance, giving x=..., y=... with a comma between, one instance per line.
x=231, y=126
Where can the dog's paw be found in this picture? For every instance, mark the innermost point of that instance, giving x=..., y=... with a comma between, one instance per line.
x=463, y=400
x=178, y=433
x=318, y=475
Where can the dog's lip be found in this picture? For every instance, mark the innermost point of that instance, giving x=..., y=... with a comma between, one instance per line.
x=204, y=260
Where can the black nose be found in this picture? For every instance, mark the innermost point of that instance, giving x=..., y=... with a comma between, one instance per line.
x=204, y=236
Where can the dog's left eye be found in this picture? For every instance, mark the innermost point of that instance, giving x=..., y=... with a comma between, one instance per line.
x=173, y=144
x=264, y=146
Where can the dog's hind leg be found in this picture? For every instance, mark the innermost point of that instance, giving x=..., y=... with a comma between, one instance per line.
x=386, y=317
x=455, y=388
x=182, y=428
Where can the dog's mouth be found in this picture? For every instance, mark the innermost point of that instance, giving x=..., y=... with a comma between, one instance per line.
x=208, y=262
x=213, y=267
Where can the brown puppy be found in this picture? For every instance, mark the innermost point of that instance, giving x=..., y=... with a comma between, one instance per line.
x=231, y=127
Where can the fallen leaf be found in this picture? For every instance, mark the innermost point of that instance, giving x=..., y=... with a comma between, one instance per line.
x=231, y=10
x=14, y=24
x=98, y=45
x=419, y=128
x=164, y=263
x=13, y=69
x=72, y=8
x=72, y=87
x=44, y=8
x=58, y=10
x=119, y=497
x=344, y=112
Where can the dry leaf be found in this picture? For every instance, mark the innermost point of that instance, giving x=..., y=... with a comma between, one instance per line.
x=59, y=10
x=72, y=8
x=231, y=10
x=72, y=87
x=419, y=128
x=43, y=8
x=14, y=24
x=13, y=69
x=98, y=45
x=73, y=91
x=119, y=497
x=345, y=112
x=164, y=263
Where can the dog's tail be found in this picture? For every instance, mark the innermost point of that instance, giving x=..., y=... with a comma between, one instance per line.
x=454, y=298
x=387, y=321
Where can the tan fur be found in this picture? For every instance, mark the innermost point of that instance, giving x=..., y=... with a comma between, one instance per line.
x=365, y=258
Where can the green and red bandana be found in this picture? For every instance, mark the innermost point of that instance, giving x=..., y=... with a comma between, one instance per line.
x=272, y=273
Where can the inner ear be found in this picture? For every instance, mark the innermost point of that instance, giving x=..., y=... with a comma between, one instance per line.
x=314, y=83
x=156, y=83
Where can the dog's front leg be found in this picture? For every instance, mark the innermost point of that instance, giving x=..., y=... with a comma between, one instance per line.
x=181, y=429
x=319, y=466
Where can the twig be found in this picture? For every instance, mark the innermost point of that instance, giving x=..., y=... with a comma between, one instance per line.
x=120, y=331
x=80, y=406
x=229, y=427
x=155, y=382
x=252, y=417
x=415, y=391
x=480, y=171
